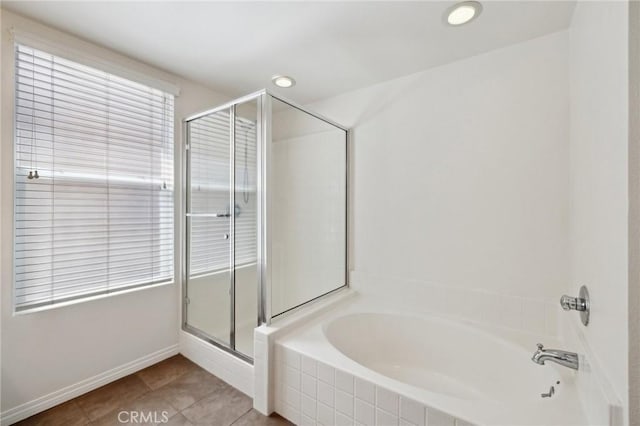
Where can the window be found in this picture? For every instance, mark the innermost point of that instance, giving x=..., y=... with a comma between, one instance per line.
x=93, y=182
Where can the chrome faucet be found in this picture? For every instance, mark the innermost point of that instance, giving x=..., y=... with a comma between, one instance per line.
x=568, y=359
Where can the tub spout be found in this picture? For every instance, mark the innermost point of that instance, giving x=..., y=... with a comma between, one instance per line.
x=567, y=359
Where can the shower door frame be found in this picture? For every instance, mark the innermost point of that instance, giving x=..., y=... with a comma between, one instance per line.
x=263, y=175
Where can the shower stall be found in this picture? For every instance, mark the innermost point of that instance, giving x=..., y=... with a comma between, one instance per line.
x=265, y=217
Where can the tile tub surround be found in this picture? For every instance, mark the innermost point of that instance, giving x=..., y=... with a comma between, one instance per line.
x=309, y=392
x=265, y=338
x=188, y=394
x=477, y=305
x=295, y=353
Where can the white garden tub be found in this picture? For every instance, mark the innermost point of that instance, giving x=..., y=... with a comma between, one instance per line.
x=454, y=372
x=441, y=356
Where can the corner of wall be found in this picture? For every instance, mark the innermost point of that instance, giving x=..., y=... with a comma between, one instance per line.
x=601, y=182
x=634, y=212
x=601, y=404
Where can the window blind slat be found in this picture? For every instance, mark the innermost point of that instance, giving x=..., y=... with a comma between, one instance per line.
x=44, y=74
x=100, y=216
x=85, y=73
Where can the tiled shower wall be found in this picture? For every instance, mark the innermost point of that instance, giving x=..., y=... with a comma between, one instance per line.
x=308, y=392
x=528, y=314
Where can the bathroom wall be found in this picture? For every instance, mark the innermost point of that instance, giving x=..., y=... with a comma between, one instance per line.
x=50, y=356
x=634, y=213
x=599, y=183
x=461, y=185
x=488, y=187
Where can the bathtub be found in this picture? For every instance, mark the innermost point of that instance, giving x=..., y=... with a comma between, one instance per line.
x=361, y=363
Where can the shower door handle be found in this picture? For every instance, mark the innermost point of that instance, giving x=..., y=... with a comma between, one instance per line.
x=208, y=214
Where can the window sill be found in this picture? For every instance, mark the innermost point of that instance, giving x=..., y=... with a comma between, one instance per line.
x=89, y=298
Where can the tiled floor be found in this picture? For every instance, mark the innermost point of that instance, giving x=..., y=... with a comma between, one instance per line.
x=176, y=391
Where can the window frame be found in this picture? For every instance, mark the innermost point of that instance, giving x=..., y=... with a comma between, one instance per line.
x=110, y=68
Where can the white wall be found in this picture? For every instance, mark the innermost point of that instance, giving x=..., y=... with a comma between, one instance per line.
x=461, y=184
x=599, y=173
x=46, y=351
x=489, y=187
x=634, y=213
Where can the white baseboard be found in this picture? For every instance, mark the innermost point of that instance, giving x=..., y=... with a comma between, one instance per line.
x=45, y=402
x=218, y=362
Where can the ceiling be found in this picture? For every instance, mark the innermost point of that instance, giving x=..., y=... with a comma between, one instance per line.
x=328, y=47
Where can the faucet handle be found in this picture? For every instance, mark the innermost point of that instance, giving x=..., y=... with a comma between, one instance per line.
x=540, y=346
x=568, y=303
x=580, y=304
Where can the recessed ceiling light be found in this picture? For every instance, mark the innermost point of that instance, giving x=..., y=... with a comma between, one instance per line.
x=463, y=13
x=283, y=81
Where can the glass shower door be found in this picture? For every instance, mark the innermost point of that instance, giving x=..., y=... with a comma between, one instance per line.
x=209, y=264
x=266, y=216
x=221, y=218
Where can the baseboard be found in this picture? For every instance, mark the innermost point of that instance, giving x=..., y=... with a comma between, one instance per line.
x=45, y=402
x=222, y=364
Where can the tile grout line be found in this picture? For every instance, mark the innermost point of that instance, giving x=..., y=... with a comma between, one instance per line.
x=143, y=394
x=74, y=402
x=241, y=416
x=146, y=390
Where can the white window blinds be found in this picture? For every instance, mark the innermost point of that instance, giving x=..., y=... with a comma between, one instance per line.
x=93, y=182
